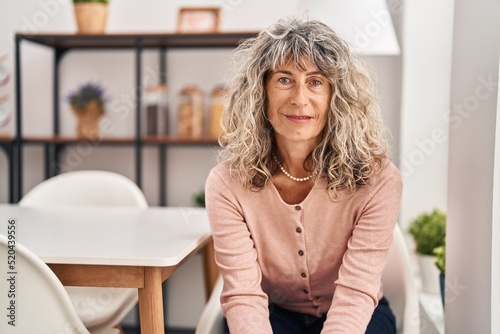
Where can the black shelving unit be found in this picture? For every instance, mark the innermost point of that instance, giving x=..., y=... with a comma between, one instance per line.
x=8, y=146
x=61, y=44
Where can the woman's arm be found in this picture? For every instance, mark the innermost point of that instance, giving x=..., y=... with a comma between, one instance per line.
x=358, y=285
x=244, y=304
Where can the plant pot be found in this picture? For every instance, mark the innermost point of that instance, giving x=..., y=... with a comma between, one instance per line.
x=91, y=17
x=88, y=121
x=429, y=273
x=442, y=287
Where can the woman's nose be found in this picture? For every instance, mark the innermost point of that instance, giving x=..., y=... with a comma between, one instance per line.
x=299, y=96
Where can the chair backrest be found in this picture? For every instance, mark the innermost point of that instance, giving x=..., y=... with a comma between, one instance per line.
x=37, y=300
x=399, y=288
x=92, y=187
x=88, y=187
x=399, y=285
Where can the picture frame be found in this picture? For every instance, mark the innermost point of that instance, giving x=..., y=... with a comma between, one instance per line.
x=198, y=20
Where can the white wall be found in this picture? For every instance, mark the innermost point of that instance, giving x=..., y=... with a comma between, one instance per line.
x=426, y=65
x=473, y=203
x=187, y=167
x=114, y=70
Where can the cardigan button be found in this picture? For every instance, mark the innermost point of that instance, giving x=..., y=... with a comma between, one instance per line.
x=305, y=291
x=298, y=229
x=298, y=208
x=303, y=276
x=301, y=252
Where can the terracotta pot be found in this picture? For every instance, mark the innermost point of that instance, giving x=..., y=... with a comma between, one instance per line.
x=91, y=17
x=88, y=121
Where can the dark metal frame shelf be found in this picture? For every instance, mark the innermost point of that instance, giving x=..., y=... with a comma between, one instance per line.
x=62, y=43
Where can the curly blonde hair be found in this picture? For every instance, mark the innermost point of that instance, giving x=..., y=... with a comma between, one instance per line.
x=352, y=148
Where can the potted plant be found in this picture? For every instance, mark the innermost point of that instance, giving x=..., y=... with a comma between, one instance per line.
x=87, y=102
x=199, y=198
x=440, y=254
x=91, y=16
x=428, y=231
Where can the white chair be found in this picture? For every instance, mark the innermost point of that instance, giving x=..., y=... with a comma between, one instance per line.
x=87, y=187
x=92, y=187
x=212, y=319
x=41, y=303
x=399, y=289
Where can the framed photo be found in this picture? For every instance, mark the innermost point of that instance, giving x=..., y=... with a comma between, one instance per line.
x=198, y=20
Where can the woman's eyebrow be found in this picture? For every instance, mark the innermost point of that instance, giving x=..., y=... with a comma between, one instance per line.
x=307, y=74
x=282, y=72
x=314, y=73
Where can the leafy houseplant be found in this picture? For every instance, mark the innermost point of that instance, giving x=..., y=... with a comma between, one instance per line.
x=91, y=16
x=84, y=95
x=87, y=102
x=440, y=253
x=428, y=231
x=199, y=198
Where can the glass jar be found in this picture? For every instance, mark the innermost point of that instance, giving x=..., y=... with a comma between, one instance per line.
x=190, y=113
x=156, y=110
x=216, y=109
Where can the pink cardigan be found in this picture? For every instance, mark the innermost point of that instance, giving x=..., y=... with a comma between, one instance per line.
x=313, y=257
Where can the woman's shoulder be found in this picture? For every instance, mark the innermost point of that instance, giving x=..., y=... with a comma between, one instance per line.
x=388, y=173
x=221, y=170
x=390, y=169
x=219, y=175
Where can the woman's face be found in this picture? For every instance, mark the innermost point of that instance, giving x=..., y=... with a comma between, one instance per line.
x=298, y=102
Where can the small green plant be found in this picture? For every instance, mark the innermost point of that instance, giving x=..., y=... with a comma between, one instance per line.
x=440, y=253
x=100, y=1
x=199, y=198
x=428, y=231
x=85, y=94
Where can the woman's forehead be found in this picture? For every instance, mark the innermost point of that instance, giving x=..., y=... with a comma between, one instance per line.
x=300, y=62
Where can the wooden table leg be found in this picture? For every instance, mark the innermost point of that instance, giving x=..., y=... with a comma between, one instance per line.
x=211, y=271
x=151, y=302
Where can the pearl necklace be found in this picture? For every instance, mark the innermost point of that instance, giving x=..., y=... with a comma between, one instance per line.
x=297, y=179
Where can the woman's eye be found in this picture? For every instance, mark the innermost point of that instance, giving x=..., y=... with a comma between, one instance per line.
x=283, y=80
x=315, y=82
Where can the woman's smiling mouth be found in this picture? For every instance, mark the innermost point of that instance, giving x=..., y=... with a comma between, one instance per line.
x=298, y=119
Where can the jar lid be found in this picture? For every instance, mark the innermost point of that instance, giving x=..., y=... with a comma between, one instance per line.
x=219, y=90
x=157, y=88
x=191, y=89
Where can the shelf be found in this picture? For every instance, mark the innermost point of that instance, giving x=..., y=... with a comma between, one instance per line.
x=148, y=140
x=74, y=140
x=55, y=144
x=111, y=41
x=174, y=140
x=6, y=140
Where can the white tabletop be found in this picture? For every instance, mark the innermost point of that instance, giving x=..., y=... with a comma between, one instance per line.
x=157, y=236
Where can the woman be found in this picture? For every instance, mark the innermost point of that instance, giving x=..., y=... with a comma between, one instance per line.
x=303, y=209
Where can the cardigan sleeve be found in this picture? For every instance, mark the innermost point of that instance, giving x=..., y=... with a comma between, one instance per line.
x=244, y=304
x=359, y=280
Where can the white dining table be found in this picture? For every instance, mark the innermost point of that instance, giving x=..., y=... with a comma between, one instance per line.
x=116, y=247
